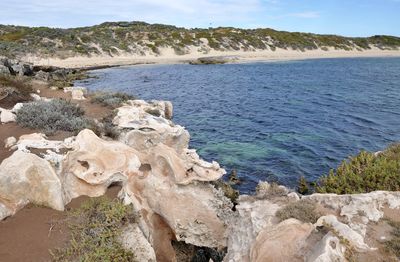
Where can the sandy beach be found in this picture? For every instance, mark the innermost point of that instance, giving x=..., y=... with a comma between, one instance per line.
x=167, y=56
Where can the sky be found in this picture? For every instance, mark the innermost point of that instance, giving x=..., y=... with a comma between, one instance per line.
x=342, y=17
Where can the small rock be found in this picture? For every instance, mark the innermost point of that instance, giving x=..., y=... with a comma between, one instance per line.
x=10, y=141
x=77, y=94
x=6, y=116
x=17, y=107
x=36, y=97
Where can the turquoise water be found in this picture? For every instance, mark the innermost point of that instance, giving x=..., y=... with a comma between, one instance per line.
x=274, y=121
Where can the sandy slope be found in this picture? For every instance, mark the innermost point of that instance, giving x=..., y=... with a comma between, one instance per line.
x=169, y=57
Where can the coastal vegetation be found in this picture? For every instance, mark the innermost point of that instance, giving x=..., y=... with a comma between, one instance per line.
x=94, y=231
x=114, y=38
x=364, y=173
x=111, y=99
x=53, y=115
x=302, y=210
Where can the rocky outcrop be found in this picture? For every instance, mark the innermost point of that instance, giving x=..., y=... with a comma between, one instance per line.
x=15, y=67
x=164, y=180
x=168, y=186
x=214, y=60
x=343, y=225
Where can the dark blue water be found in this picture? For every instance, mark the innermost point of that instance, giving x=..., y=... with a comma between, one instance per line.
x=274, y=121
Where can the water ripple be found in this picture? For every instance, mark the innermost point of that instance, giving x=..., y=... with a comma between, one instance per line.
x=274, y=121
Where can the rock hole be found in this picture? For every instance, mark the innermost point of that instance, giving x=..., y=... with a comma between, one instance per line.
x=145, y=168
x=85, y=164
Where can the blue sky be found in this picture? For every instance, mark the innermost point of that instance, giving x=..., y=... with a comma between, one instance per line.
x=344, y=17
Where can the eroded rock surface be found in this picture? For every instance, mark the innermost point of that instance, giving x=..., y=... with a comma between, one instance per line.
x=168, y=185
x=26, y=178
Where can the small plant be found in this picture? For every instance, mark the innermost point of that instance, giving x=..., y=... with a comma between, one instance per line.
x=302, y=210
x=108, y=128
x=112, y=100
x=95, y=228
x=51, y=116
x=303, y=188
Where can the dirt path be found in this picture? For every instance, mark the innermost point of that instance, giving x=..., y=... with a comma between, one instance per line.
x=34, y=230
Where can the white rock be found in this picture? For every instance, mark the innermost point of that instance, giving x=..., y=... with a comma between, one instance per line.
x=77, y=94
x=132, y=239
x=6, y=116
x=327, y=250
x=10, y=141
x=26, y=178
x=356, y=239
x=17, y=107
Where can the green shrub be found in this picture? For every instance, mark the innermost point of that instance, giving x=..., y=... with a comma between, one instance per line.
x=51, y=116
x=364, y=173
x=94, y=229
x=302, y=210
x=303, y=187
x=112, y=100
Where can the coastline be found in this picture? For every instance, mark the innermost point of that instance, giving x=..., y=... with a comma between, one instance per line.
x=169, y=57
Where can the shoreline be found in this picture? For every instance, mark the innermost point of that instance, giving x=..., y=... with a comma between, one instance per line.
x=101, y=62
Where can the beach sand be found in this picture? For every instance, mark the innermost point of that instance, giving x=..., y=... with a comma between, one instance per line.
x=167, y=56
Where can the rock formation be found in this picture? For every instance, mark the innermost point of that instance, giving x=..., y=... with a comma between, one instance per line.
x=165, y=181
x=168, y=185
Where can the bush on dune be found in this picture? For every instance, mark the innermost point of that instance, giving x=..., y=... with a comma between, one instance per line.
x=364, y=173
x=51, y=116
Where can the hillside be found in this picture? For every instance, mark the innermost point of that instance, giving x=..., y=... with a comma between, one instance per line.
x=141, y=39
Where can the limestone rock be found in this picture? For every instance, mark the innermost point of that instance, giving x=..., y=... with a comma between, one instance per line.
x=356, y=239
x=132, y=239
x=95, y=164
x=149, y=129
x=7, y=116
x=39, y=141
x=251, y=217
x=10, y=141
x=26, y=178
x=281, y=243
x=77, y=94
x=328, y=249
x=157, y=183
x=17, y=107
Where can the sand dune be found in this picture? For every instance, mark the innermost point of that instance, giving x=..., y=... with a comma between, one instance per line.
x=168, y=56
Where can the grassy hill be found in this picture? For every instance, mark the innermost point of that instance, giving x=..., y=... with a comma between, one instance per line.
x=114, y=38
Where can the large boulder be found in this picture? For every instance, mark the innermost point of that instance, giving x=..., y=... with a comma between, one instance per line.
x=26, y=178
